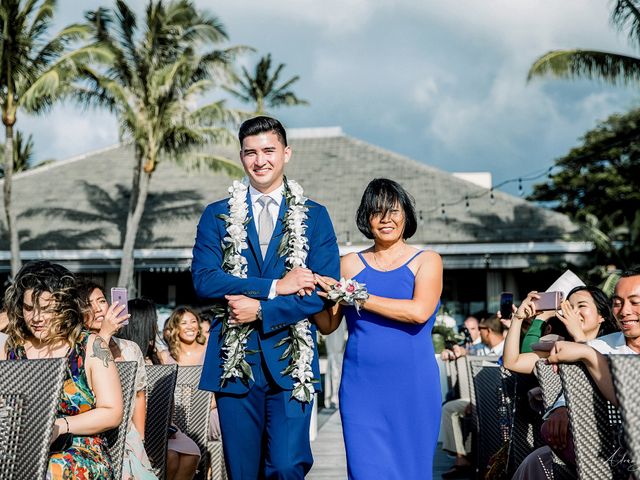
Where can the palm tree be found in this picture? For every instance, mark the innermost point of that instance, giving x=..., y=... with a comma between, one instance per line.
x=22, y=153
x=160, y=70
x=592, y=64
x=261, y=88
x=34, y=71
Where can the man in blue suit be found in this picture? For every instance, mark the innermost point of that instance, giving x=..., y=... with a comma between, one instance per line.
x=264, y=410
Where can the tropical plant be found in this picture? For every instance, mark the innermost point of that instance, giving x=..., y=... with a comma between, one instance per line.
x=593, y=64
x=34, y=71
x=161, y=69
x=261, y=88
x=22, y=153
x=597, y=184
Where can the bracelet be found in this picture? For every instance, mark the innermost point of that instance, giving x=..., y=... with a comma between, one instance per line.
x=67, y=422
x=350, y=292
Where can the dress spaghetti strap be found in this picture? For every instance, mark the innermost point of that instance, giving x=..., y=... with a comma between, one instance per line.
x=363, y=260
x=412, y=257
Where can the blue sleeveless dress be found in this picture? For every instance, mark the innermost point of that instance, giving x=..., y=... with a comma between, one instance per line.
x=390, y=390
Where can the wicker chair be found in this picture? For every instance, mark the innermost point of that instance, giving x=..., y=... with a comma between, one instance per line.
x=218, y=470
x=191, y=412
x=451, y=370
x=161, y=383
x=116, y=437
x=29, y=395
x=465, y=385
x=595, y=425
x=485, y=401
x=625, y=370
x=551, y=386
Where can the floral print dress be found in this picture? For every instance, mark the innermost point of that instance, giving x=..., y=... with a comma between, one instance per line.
x=88, y=457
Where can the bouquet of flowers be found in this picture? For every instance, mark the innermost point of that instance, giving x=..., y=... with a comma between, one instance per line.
x=349, y=292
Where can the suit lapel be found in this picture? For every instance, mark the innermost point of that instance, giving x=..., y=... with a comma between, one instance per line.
x=252, y=234
x=277, y=234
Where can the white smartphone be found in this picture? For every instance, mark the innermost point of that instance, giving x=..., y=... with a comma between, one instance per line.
x=119, y=294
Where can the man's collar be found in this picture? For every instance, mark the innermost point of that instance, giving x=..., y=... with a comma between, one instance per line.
x=276, y=195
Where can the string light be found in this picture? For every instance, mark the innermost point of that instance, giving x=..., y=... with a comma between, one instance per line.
x=490, y=191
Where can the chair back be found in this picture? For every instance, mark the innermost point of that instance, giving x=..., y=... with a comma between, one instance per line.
x=452, y=374
x=161, y=383
x=626, y=373
x=463, y=376
x=550, y=383
x=595, y=425
x=486, y=397
x=191, y=411
x=29, y=397
x=116, y=437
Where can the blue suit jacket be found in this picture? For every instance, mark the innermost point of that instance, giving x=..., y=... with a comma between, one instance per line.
x=211, y=282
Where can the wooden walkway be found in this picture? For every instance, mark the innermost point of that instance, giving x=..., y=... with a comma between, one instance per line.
x=330, y=462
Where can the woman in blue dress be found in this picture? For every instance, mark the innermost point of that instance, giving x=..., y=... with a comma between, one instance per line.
x=390, y=389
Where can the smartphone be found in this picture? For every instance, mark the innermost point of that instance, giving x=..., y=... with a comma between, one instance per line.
x=548, y=301
x=119, y=294
x=506, y=303
x=546, y=343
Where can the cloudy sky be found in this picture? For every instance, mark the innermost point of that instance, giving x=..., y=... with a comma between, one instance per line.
x=443, y=82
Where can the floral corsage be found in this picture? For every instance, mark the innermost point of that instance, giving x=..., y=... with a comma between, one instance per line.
x=349, y=292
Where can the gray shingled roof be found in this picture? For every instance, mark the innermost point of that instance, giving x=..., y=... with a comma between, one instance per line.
x=79, y=203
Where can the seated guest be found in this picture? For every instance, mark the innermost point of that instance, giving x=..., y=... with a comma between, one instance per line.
x=186, y=341
x=583, y=315
x=187, y=345
x=592, y=353
x=183, y=454
x=46, y=321
x=453, y=411
x=99, y=317
x=473, y=341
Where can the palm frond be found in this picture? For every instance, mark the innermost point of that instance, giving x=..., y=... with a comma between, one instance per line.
x=626, y=14
x=198, y=162
x=609, y=67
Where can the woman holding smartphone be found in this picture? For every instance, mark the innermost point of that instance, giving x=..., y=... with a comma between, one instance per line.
x=586, y=314
x=106, y=321
x=45, y=321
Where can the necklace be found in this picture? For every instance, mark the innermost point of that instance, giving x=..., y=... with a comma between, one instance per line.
x=389, y=266
x=293, y=248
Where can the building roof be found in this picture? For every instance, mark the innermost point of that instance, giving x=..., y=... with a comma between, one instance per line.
x=81, y=203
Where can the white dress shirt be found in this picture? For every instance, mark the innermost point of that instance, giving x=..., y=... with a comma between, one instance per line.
x=274, y=209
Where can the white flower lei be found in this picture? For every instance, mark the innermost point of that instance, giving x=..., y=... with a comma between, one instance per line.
x=294, y=247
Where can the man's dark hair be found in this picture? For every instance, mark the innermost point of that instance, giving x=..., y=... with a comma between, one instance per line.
x=380, y=196
x=258, y=125
x=493, y=323
x=631, y=272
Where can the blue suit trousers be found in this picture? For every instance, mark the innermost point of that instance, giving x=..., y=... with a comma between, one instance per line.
x=265, y=432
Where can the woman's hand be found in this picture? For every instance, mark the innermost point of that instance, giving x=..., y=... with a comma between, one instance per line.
x=112, y=321
x=527, y=308
x=569, y=352
x=325, y=283
x=572, y=320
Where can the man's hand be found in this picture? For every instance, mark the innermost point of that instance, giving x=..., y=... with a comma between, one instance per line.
x=299, y=280
x=242, y=309
x=557, y=427
x=459, y=351
x=447, y=355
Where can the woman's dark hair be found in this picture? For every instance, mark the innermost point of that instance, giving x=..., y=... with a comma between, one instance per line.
x=603, y=306
x=85, y=289
x=380, y=196
x=143, y=327
x=44, y=277
x=262, y=124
